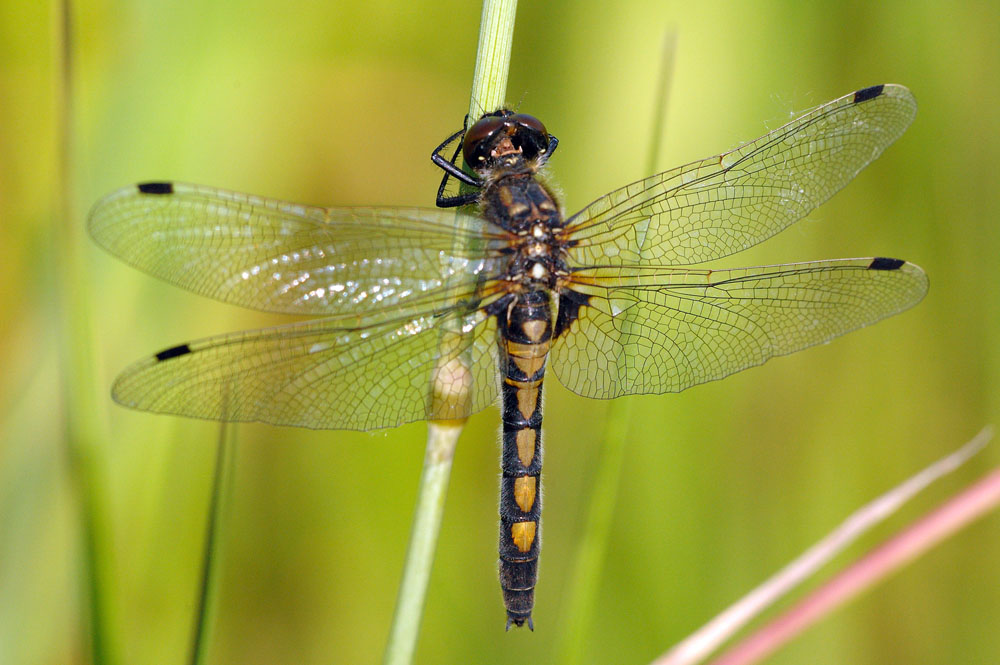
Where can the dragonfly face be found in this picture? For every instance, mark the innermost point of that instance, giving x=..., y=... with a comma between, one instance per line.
x=503, y=136
x=432, y=314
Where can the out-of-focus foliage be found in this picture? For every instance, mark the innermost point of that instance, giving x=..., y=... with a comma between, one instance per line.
x=341, y=103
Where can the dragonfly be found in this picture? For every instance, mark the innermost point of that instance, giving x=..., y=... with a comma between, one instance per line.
x=437, y=313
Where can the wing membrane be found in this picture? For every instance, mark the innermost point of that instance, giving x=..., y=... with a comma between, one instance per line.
x=285, y=257
x=656, y=331
x=325, y=374
x=721, y=205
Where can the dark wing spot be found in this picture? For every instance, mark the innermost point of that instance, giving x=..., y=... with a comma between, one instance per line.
x=885, y=264
x=156, y=187
x=173, y=352
x=865, y=94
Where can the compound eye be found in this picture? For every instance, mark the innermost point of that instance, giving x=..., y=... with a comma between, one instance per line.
x=475, y=146
x=531, y=136
x=530, y=122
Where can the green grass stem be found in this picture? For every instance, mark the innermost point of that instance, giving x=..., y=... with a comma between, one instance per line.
x=588, y=562
x=83, y=430
x=222, y=479
x=489, y=88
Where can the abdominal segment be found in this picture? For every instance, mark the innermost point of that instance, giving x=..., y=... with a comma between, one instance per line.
x=524, y=347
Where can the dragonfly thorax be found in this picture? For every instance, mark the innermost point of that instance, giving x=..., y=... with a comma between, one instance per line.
x=526, y=209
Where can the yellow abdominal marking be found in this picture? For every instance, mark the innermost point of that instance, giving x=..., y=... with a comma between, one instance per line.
x=529, y=366
x=534, y=329
x=518, y=350
x=527, y=399
x=523, y=534
x=524, y=493
x=526, y=446
x=529, y=358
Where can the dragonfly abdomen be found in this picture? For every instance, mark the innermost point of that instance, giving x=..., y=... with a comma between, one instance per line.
x=526, y=335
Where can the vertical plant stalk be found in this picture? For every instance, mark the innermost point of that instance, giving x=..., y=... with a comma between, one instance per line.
x=441, y=439
x=588, y=563
x=83, y=431
x=496, y=34
x=222, y=480
x=489, y=88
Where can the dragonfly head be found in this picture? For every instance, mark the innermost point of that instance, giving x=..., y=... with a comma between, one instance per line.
x=504, y=136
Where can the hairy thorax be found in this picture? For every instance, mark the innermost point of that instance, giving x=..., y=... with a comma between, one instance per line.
x=524, y=207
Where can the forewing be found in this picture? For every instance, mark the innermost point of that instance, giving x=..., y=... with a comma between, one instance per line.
x=286, y=257
x=724, y=204
x=663, y=331
x=326, y=374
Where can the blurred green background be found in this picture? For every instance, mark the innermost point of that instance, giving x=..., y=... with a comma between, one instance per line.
x=341, y=103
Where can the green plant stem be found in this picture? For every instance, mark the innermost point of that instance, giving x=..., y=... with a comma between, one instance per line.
x=83, y=430
x=488, y=90
x=222, y=479
x=441, y=440
x=496, y=34
x=588, y=562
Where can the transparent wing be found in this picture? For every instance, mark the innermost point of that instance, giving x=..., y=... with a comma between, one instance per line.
x=721, y=205
x=655, y=331
x=286, y=257
x=325, y=374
